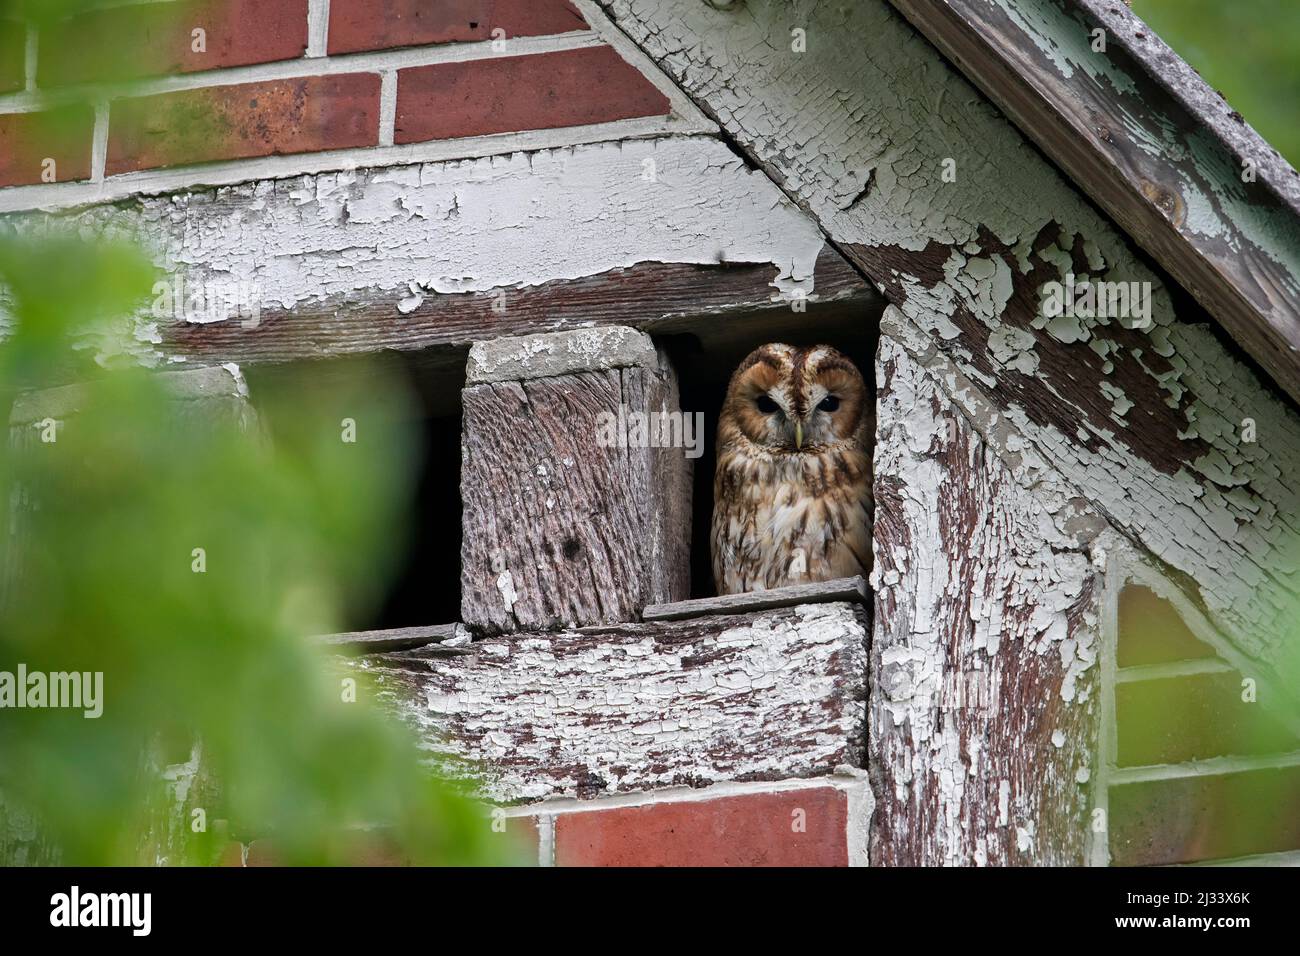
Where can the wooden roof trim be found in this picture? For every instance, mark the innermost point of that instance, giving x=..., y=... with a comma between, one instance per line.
x=1152, y=144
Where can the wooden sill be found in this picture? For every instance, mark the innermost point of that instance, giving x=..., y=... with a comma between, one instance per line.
x=396, y=639
x=820, y=592
x=853, y=590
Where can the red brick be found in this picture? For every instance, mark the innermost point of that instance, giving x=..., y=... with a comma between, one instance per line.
x=368, y=849
x=28, y=139
x=1194, y=717
x=357, y=25
x=156, y=38
x=542, y=91
x=1156, y=822
x=13, y=56
x=749, y=830
x=301, y=115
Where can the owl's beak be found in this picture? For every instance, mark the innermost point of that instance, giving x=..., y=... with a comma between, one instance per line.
x=798, y=435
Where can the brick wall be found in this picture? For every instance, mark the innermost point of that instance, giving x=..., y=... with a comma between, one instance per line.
x=786, y=823
x=203, y=81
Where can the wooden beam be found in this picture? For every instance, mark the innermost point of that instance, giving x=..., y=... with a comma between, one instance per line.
x=654, y=296
x=571, y=516
x=1152, y=144
x=982, y=729
x=442, y=254
x=767, y=695
x=392, y=639
x=853, y=590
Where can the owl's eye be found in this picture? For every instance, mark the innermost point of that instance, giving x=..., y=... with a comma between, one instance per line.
x=765, y=405
x=829, y=403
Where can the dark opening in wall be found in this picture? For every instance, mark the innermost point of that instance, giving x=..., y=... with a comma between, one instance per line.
x=419, y=581
x=705, y=358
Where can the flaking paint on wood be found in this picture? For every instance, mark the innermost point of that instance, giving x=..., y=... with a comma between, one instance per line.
x=1148, y=423
x=768, y=695
x=982, y=721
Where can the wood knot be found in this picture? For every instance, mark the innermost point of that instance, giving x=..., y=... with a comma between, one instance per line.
x=1167, y=200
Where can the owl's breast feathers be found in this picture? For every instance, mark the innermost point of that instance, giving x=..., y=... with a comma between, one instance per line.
x=790, y=518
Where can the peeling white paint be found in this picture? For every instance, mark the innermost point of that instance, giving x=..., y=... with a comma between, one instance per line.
x=873, y=100
x=773, y=695
x=517, y=358
x=506, y=585
x=500, y=222
x=990, y=578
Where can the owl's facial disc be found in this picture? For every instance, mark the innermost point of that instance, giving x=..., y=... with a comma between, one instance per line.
x=795, y=401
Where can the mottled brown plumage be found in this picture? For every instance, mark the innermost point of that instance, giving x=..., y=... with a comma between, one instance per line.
x=792, y=492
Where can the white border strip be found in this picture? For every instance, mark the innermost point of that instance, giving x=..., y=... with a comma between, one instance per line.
x=387, y=108
x=1209, y=767
x=30, y=57
x=98, y=144
x=546, y=840
x=318, y=28
x=1281, y=858
x=557, y=806
x=194, y=178
x=1107, y=732
x=1188, y=668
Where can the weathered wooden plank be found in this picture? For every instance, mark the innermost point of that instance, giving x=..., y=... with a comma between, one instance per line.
x=570, y=515
x=656, y=297
x=1148, y=140
x=390, y=639
x=983, y=717
x=527, y=357
x=840, y=589
x=761, y=696
x=447, y=253
x=905, y=166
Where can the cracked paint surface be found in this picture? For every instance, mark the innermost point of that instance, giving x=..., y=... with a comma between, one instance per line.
x=1146, y=422
x=763, y=696
x=983, y=690
x=505, y=221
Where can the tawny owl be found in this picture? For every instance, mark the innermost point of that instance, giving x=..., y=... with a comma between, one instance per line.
x=792, y=492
